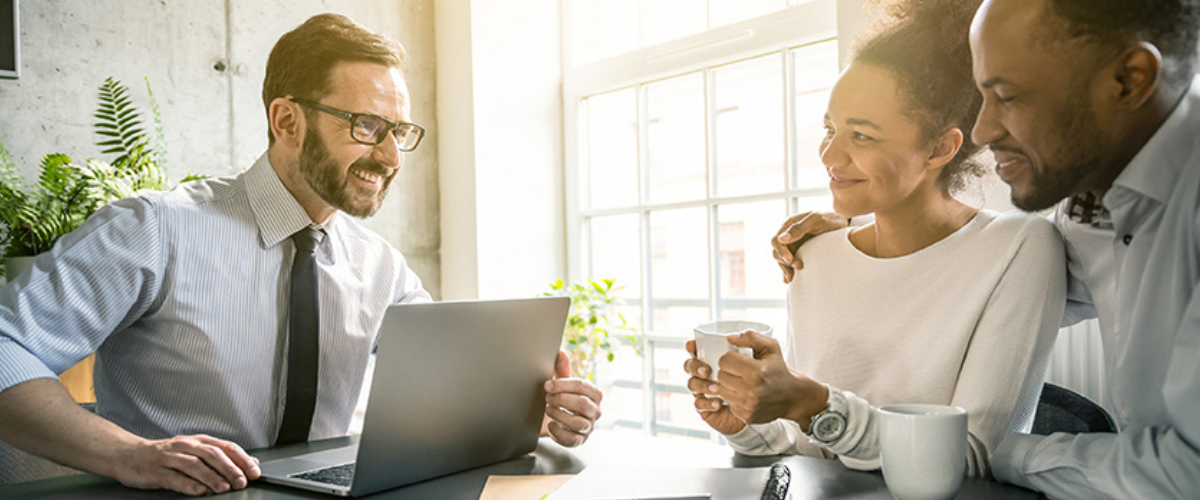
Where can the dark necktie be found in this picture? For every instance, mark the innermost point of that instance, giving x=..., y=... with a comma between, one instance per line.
x=304, y=320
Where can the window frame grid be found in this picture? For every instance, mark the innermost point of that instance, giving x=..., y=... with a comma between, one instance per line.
x=726, y=48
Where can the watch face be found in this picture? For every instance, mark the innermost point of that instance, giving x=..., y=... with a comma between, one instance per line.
x=830, y=427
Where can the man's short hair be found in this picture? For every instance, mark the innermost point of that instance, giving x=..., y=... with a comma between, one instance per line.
x=302, y=60
x=1173, y=26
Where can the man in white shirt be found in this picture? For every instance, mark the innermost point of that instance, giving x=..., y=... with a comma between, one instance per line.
x=1099, y=97
x=184, y=295
x=1097, y=100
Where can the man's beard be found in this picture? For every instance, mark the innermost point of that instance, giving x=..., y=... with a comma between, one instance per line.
x=322, y=174
x=1081, y=155
x=1049, y=186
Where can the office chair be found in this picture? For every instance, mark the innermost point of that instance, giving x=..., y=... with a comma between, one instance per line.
x=1063, y=410
x=16, y=466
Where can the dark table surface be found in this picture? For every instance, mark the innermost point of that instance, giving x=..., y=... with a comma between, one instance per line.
x=811, y=478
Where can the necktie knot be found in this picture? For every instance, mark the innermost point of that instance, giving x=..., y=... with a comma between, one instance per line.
x=307, y=239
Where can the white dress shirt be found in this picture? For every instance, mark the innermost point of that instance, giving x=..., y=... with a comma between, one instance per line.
x=1090, y=279
x=1151, y=341
x=183, y=296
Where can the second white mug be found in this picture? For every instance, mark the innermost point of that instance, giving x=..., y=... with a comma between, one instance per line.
x=923, y=450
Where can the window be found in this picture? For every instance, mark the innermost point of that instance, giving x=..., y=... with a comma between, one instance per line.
x=691, y=132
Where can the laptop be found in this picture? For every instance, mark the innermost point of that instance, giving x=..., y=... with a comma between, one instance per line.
x=457, y=385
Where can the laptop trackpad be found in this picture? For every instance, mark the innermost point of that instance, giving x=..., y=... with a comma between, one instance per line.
x=285, y=466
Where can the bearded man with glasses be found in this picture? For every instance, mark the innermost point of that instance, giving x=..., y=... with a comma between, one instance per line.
x=184, y=296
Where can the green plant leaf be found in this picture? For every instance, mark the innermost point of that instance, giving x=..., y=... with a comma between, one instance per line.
x=592, y=314
x=65, y=194
x=160, y=139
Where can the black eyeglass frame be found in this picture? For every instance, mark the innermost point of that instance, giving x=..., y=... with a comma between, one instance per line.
x=353, y=117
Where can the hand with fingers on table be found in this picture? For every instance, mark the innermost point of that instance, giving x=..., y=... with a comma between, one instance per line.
x=193, y=465
x=572, y=405
x=40, y=417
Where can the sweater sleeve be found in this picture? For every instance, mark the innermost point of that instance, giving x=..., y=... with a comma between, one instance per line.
x=779, y=437
x=1005, y=364
x=1002, y=374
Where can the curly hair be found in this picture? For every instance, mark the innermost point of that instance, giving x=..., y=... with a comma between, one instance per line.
x=924, y=45
x=302, y=60
x=1173, y=26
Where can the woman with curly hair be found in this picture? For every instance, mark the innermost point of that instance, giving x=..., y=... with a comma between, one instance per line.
x=933, y=302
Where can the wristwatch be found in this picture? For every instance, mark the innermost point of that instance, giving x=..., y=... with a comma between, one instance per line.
x=829, y=425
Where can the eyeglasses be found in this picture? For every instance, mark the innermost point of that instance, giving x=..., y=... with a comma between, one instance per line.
x=370, y=129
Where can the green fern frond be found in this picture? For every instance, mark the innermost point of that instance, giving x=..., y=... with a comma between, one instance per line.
x=119, y=128
x=12, y=195
x=33, y=217
x=119, y=123
x=160, y=139
x=6, y=162
x=57, y=173
x=192, y=176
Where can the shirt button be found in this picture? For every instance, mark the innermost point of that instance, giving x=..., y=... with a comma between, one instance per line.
x=1127, y=239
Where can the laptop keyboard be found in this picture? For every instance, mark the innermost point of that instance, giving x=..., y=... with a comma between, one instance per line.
x=339, y=475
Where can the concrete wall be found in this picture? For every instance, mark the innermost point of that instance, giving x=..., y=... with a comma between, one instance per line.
x=205, y=60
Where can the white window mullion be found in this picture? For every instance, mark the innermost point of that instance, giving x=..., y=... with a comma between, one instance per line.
x=710, y=142
x=649, y=403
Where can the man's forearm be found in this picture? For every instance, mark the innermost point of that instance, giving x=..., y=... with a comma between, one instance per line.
x=40, y=417
x=1137, y=463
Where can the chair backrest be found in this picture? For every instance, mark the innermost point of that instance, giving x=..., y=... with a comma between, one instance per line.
x=1063, y=410
x=16, y=466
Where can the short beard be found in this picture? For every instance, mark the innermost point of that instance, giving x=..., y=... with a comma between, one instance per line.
x=1049, y=186
x=322, y=175
x=1082, y=153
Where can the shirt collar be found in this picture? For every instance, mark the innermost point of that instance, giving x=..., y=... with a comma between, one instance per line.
x=276, y=211
x=1156, y=168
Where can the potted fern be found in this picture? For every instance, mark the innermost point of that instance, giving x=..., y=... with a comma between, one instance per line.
x=591, y=324
x=34, y=216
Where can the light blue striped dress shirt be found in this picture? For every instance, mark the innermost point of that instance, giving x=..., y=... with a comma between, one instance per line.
x=183, y=297
x=1148, y=300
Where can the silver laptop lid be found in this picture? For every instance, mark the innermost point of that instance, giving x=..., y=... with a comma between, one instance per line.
x=457, y=385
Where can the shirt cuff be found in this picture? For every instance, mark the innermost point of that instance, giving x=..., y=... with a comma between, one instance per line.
x=20, y=365
x=1008, y=459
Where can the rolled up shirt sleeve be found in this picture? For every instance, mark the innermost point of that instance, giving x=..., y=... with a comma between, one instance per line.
x=95, y=281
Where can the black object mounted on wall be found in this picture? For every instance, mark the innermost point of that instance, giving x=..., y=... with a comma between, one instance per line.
x=10, y=39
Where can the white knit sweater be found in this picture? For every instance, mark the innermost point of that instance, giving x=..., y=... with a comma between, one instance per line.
x=967, y=321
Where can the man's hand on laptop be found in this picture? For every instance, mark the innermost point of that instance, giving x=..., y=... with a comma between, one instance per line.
x=193, y=465
x=572, y=405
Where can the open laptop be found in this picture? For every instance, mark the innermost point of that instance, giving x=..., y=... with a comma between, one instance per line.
x=457, y=385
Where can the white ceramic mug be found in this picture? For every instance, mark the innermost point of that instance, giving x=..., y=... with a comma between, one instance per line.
x=923, y=450
x=711, y=343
